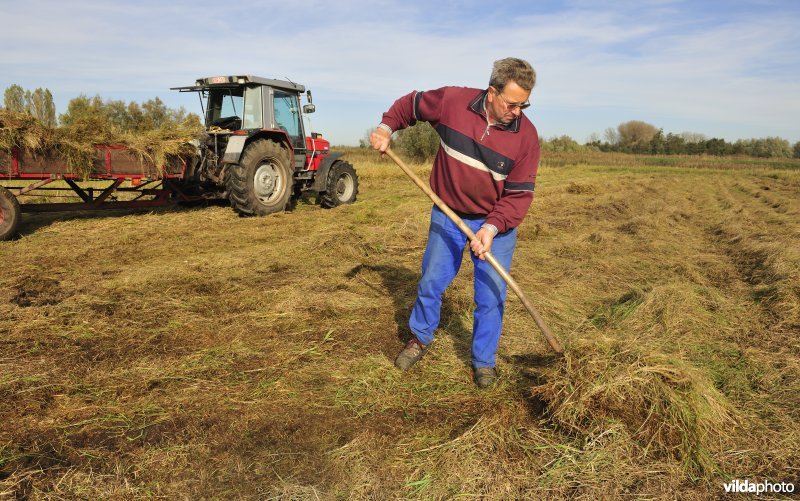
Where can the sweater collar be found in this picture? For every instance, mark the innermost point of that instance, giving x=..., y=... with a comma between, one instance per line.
x=478, y=106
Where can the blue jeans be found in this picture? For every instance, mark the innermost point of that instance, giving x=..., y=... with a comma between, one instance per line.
x=440, y=265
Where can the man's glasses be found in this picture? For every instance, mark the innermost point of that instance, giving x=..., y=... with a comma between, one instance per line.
x=512, y=106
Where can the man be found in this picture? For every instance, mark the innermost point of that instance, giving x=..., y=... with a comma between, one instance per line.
x=485, y=171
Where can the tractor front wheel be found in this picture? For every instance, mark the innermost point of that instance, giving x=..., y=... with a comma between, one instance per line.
x=341, y=187
x=10, y=214
x=261, y=183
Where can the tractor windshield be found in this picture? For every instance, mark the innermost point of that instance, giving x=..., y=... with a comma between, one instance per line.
x=235, y=108
x=225, y=107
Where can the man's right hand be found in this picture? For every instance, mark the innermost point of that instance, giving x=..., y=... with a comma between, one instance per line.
x=380, y=139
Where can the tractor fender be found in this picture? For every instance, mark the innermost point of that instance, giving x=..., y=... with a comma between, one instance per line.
x=322, y=173
x=234, y=149
x=237, y=144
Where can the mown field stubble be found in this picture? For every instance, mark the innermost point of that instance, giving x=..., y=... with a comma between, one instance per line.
x=191, y=353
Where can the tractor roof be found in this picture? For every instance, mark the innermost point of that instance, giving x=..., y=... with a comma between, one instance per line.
x=238, y=80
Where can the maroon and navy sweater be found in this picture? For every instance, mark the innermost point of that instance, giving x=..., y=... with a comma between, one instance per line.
x=478, y=169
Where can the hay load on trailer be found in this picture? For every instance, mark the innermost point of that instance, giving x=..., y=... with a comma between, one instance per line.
x=88, y=162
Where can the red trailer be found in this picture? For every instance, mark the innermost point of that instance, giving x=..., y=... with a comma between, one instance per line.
x=118, y=179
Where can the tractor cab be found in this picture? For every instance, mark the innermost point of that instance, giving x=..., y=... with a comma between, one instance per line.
x=232, y=104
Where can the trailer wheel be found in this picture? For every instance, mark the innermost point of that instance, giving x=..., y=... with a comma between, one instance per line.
x=341, y=187
x=261, y=183
x=10, y=214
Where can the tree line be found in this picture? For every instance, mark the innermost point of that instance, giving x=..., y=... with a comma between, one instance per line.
x=117, y=115
x=636, y=136
x=421, y=142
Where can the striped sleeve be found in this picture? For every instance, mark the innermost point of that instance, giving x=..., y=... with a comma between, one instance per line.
x=413, y=107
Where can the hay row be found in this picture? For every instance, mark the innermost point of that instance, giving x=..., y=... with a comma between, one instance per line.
x=669, y=407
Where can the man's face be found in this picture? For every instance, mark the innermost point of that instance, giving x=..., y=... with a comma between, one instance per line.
x=503, y=107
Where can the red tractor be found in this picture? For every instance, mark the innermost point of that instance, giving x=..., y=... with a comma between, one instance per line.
x=257, y=152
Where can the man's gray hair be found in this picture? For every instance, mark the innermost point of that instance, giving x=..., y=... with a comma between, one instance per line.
x=512, y=69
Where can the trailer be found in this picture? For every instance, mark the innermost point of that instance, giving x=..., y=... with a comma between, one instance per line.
x=118, y=179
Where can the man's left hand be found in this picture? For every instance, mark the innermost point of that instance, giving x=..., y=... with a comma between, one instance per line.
x=482, y=243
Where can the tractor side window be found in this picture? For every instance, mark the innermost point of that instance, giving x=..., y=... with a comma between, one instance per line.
x=253, y=109
x=287, y=116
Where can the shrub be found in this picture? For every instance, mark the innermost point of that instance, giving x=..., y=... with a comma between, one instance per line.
x=418, y=143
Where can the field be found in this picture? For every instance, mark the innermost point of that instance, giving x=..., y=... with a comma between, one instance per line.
x=190, y=353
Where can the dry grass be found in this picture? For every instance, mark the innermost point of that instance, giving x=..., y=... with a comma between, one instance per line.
x=666, y=406
x=192, y=353
x=19, y=130
x=75, y=143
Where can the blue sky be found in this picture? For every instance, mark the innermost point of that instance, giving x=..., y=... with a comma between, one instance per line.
x=726, y=69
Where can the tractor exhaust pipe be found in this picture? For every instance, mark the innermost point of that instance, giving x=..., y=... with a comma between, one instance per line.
x=551, y=339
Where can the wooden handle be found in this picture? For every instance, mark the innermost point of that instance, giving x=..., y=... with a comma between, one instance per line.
x=551, y=339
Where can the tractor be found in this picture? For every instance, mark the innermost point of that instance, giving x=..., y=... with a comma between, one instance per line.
x=256, y=152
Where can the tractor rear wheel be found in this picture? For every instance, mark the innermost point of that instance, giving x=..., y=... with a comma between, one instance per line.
x=341, y=187
x=261, y=183
x=10, y=214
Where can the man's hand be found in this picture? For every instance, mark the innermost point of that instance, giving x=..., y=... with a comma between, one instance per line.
x=380, y=139
x=482, y=243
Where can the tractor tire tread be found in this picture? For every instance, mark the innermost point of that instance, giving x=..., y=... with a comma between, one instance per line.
x=12, y=214
x=238, y=178
x=329, y=198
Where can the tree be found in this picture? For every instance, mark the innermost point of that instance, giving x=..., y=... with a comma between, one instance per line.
x=14, y=98
x=181, y=115
x=83, y=109
x=364, y=141
x=124, y=117
x=693, y=137
x=27, y=100
x=658, y=144
x=135, y=116
x=717, y=146
x=635, y=136
x=674, y=144
x=561, y=144
x=768, y=147
x=41, y=107
x=155, y=113
x=611, y=136
x=116, y=113
x=797, y=149
x=38, y=104
x=775, y=147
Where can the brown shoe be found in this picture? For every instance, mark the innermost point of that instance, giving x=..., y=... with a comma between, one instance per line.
x=410, y=354
x=485, y=377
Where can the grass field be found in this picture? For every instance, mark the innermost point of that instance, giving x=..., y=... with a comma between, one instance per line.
x=190, y=353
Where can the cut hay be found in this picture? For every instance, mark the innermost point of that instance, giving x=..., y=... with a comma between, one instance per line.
x=19, y=130
x=581, y=188
x=75, y=144
x=157, y=146
x=669, y=408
